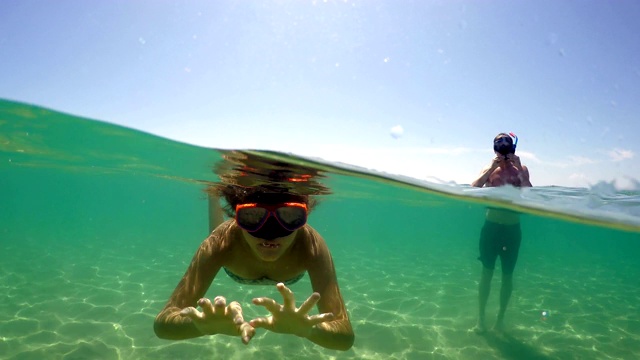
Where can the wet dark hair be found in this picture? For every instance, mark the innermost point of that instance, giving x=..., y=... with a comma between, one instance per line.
x=251, y=177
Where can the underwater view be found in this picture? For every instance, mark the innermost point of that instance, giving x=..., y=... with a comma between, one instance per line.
x=99, y=223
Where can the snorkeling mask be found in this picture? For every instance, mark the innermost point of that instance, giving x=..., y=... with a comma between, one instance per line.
x=271, y=221
x=506, y=146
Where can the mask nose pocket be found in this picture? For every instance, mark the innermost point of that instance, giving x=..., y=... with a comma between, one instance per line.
x=271, y=230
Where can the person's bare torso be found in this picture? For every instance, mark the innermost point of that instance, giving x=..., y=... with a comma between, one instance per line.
x=504, y=175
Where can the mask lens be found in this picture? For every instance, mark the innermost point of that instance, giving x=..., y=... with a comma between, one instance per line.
x=252, y=218
x=291, y=217
x=503, y=145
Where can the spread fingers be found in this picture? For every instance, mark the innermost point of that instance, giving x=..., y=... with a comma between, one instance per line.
x=308, y=304
x=287, y=296
x=268, y=303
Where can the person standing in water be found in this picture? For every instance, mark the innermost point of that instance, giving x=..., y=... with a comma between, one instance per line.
x=501, y=234
x=266, y=241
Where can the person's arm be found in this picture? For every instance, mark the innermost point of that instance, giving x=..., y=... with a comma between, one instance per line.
x=524, y=177
x=486, y=173
x=170, y=324
x=523, y=171
x=338, y=333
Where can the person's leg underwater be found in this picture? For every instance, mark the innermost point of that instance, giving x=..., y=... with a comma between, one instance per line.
x=484, y=289
x=505, y=294
x=508, y=259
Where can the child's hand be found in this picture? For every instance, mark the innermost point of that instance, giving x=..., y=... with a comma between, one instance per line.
x=217, y=318
x=287, y=318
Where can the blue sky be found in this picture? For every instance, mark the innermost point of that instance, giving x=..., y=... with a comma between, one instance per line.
x=330, y=79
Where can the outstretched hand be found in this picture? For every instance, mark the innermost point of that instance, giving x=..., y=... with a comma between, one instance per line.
x=288, y=319
x=218, y=318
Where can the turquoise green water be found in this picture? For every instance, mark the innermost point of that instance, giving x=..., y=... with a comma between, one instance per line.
x=99, y=222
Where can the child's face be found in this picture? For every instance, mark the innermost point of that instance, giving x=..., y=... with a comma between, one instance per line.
x=269, y=250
